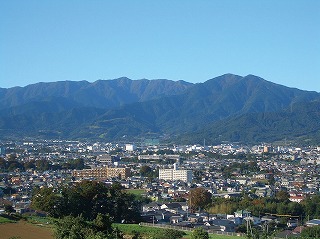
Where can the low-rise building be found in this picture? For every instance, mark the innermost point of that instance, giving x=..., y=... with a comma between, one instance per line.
x=102, y=172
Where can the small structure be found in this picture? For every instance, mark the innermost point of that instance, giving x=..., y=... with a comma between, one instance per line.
x=313, y=222
x=242, y=213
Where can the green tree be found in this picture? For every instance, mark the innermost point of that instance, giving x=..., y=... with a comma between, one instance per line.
x=311, y=232
x=124, y=206
x=295, y=209
x=78, y=228
x=72, y=228
x=88, y=198
x=311, y=206
x=282, y=208
x=145, y=170
x=46, y=199
x=29, y=165
x=74, y=164
x=8, y=209
x=199, y=233
x=282, y=196
x=43, y=165
x=13, y=165
x=103, y=223
x=199, y=198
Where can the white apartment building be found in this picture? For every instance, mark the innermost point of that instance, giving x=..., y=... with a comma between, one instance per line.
x=176, y=174
x=130, y=147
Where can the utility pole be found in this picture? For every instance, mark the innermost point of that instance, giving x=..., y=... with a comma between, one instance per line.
x=249, y=228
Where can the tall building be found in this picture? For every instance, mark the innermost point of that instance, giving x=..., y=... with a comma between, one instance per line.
x=176, y=174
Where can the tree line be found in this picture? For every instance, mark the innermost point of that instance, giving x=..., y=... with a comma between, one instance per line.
x=278, y=204
x=12, y=164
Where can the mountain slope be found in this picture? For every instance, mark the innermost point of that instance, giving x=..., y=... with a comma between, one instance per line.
x=214, y=100
x=104, y=94
x=300, y=122
x=237, y=108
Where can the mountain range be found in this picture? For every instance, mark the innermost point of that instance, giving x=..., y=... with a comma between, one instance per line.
x=226, y=108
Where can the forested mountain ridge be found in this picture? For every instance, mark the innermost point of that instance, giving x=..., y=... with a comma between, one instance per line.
x=228, y=107
x=100, y=94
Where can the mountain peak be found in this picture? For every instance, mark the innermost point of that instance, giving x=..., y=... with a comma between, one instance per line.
x=236, y=107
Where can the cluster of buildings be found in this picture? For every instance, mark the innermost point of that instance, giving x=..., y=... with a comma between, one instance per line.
x=176, y=170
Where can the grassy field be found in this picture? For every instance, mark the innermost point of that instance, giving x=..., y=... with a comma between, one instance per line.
x=40, y=220
x=131, y=228
x=137, y=192
x=144, y=230
x=5, y=220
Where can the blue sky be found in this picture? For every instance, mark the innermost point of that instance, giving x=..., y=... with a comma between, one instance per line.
x=57, y=40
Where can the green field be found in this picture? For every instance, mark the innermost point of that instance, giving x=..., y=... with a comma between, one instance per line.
x=136, y=191
x=5, y=220
x=48, y=221
x=225, y=237
x=131, y=228
x=145, y=230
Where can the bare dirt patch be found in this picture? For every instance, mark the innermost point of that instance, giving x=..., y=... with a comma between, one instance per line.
x=25, y=230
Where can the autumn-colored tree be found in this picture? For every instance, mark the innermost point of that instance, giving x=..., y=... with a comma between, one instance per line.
x=199, y=198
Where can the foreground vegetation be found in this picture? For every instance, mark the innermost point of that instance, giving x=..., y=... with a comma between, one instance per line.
x=89, y=209
x=24, y=230
x=6, y=220
x=74, y=228
x=278, y=205
x=88, y=199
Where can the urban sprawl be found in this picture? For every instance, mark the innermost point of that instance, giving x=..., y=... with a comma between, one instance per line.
x=165, y=174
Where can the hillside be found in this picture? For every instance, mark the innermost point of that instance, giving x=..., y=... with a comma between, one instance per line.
x=99, y=94
x=228, y=107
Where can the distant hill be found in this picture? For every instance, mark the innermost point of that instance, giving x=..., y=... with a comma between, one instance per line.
x=228, y=107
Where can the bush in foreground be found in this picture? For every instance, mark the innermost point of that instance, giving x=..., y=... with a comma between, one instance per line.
x=199, y=233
